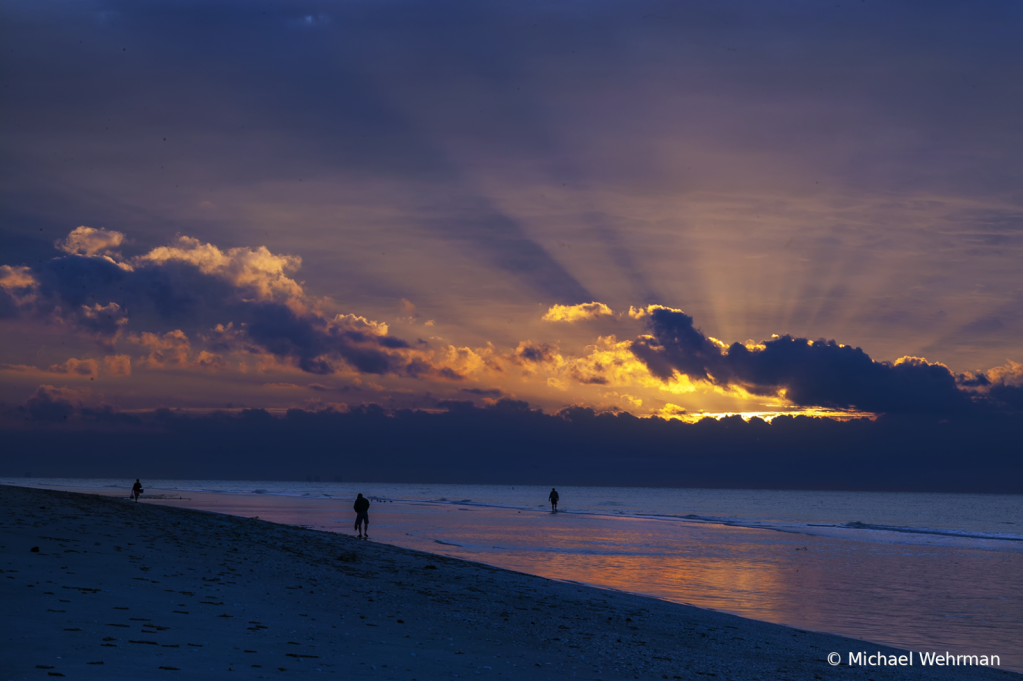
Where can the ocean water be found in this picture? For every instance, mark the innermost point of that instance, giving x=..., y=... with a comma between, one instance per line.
x=927, y=572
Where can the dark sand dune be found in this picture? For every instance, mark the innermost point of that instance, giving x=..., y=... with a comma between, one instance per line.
x=119, y=590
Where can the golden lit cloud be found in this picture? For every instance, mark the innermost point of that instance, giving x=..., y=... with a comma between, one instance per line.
x=19, y=283
x=1009, y=374
x=607, y=362
x=14, y=278
x=208, y=360
x=610, y=362
x=556, y=383
x=257, y=271
x=173, y=350
x=89, y=241
x=469, y=361
x=351, y=322
x=917, y=361
x=169, y=349
x=117, y=365
x=640, y=312
x=673, y=411
x=576, y=313
x=79, y=367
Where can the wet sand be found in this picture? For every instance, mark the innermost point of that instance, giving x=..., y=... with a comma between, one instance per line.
x=124, y=590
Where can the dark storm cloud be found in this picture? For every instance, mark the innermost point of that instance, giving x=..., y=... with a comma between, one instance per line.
x=820, y=373
x=1009, y=395
x=157, y=297
x=312, y=341
x=526, y=446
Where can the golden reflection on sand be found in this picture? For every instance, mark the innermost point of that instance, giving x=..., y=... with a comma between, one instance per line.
x=750, y=588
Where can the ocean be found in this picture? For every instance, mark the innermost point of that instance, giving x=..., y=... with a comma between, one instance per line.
x=926, y=572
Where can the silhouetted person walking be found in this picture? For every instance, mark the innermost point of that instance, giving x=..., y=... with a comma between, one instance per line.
x=554, y=500
x=136, y=490
x=362, y=514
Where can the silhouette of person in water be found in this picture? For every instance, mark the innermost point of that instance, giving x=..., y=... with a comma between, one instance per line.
x=362, y=514
x=554, y=500
x=136, y=490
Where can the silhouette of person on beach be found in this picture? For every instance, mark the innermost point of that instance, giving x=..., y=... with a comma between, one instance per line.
x=554, y=500
x=362, y=514
x=136, y=490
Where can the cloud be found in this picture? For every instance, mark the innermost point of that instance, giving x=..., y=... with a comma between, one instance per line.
x=807, y=373
x=17, y=290
x=610, y=362
x=166, y=350
x=641, y=312
x=117, y=365
x=359, y=324
x=171, y=350
x=114, y=365
x=529, y=353
x=88, y=241
x=17, y=278
x=239, y=300
x=525, y=446
x=317, y=344
x=53, y=404
x=577, y=313
x=1004, y=385
x=483, y=392
x=78, y=367
x=673, y=411
x=229, y=338
x=257, y=273
x=607, y=362
x=469, y=361
x=107, y=321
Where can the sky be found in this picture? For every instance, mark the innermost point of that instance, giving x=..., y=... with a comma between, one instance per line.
x=660, y=210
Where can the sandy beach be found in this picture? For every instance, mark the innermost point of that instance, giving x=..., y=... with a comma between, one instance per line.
x=104, y=588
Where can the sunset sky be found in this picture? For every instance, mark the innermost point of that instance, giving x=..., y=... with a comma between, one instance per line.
x=321, y=205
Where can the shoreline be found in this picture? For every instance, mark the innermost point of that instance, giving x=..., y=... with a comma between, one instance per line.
x=141, y=587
